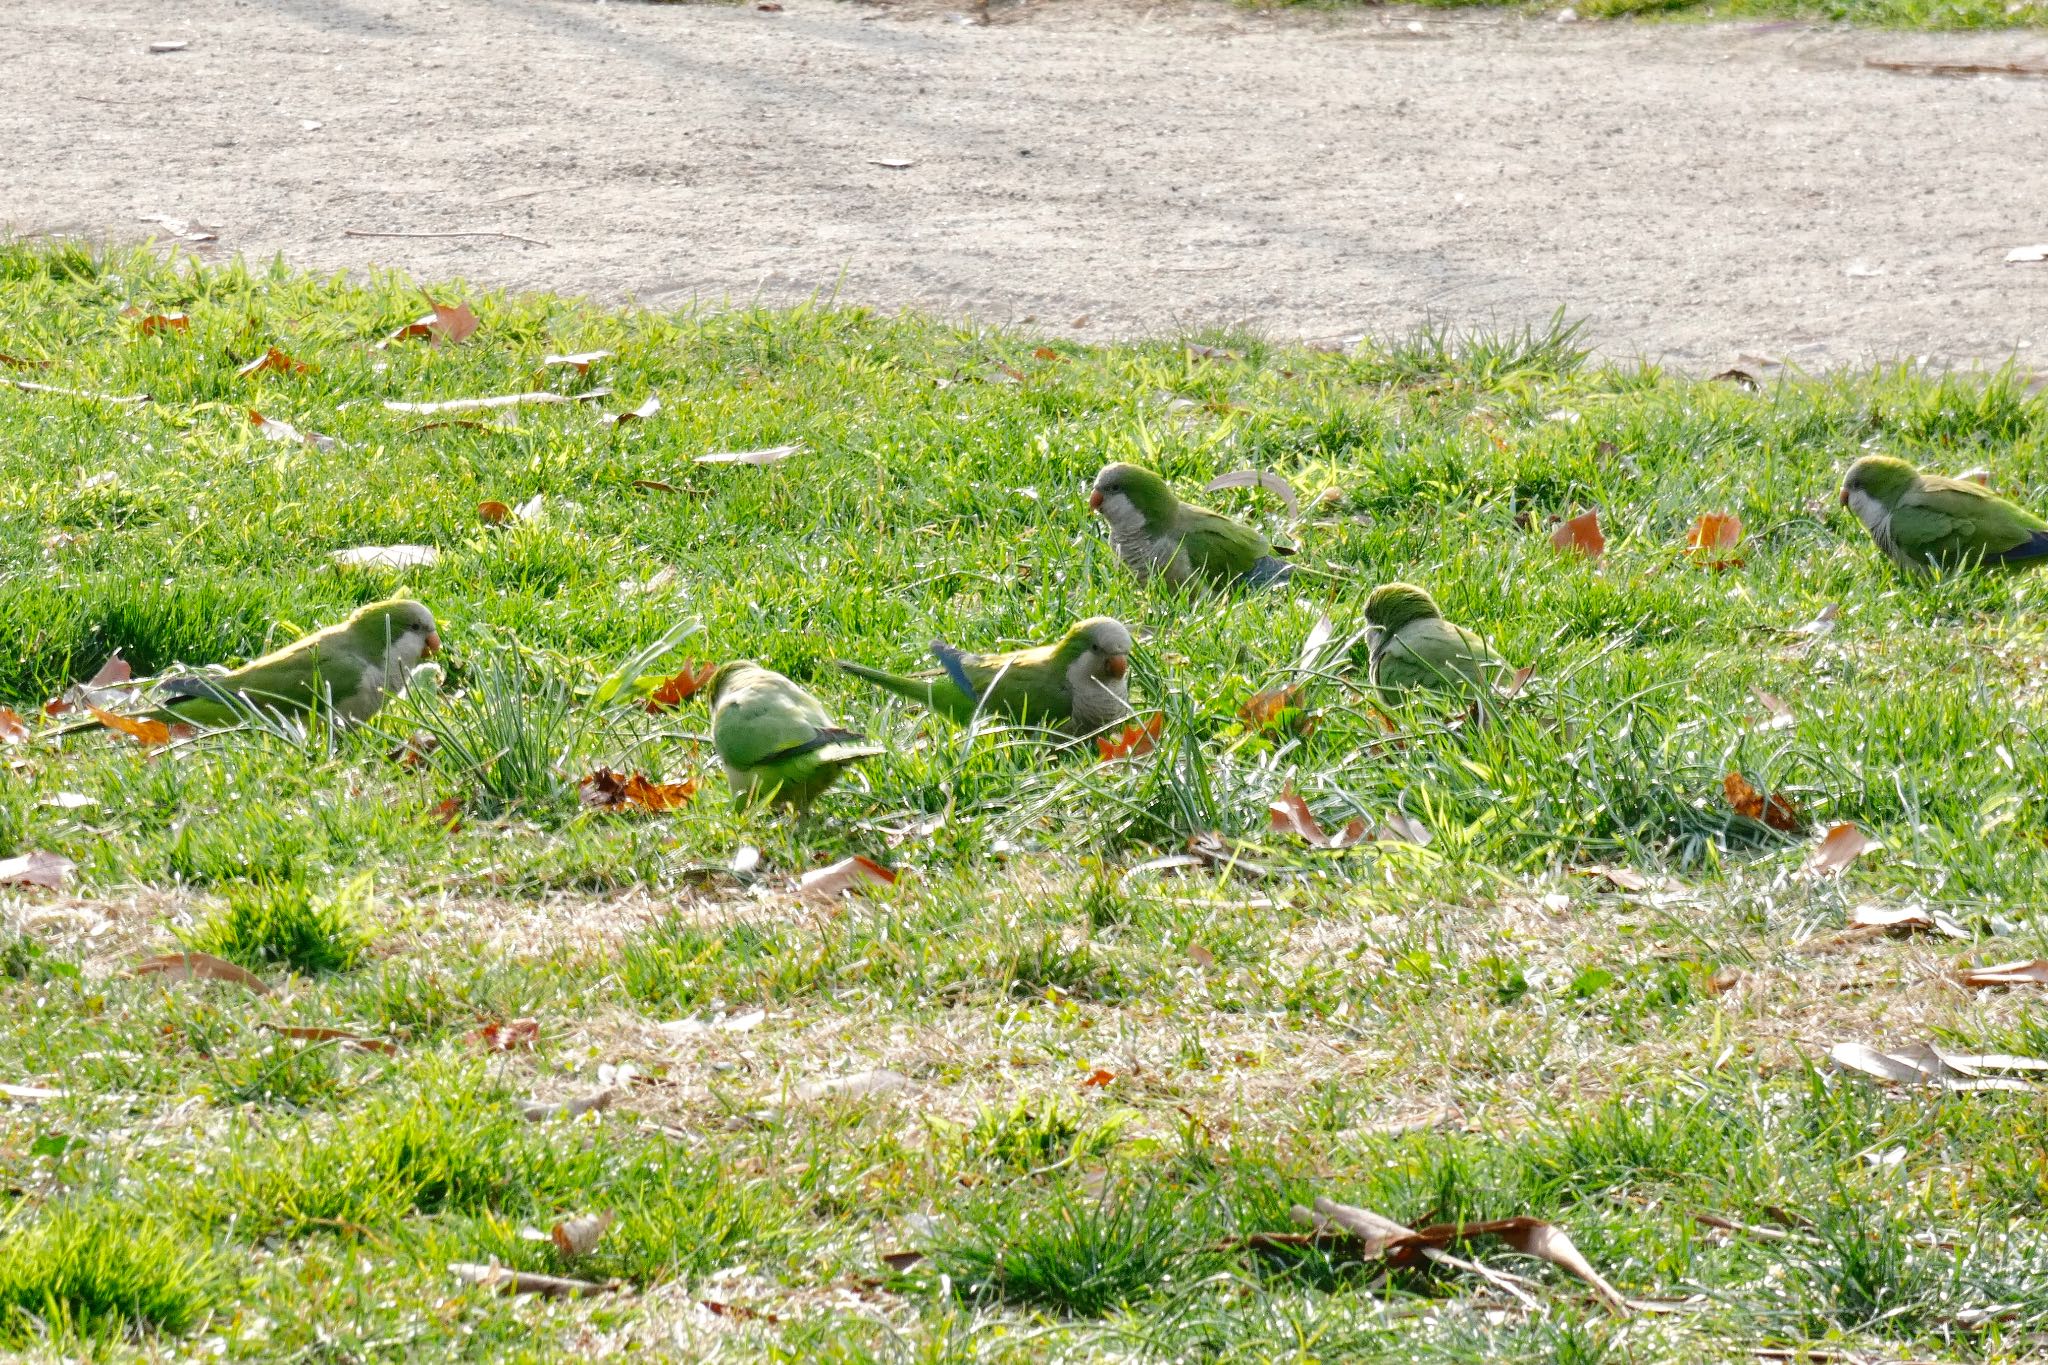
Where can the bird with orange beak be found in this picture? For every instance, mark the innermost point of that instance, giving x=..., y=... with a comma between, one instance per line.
x=1079, y=683
x=345, y=672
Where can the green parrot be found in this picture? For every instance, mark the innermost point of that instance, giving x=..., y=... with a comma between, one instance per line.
x=777, y=743
x=347, y=671
x=1078, y=683
x=1409, y=644
x=1156, y=533
x=1924, y=521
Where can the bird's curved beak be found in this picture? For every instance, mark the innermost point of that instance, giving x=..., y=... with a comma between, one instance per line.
x=1116, y=665
x=432, y=646
x=1095, y=501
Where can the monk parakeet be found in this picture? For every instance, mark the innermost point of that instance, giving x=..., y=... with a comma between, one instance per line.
x=344, y=671
x=777, y=743
x=1409, y=644
x=1924, y=521
x=1156, y=533
x=1077, y=683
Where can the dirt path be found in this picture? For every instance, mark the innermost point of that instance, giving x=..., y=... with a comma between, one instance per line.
x=1694, y=192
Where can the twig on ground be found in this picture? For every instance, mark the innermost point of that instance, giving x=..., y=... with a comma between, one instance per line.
x=1905, y=68
x=480, y=232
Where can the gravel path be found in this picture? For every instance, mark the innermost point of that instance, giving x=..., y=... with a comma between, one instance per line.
x=1081, y=168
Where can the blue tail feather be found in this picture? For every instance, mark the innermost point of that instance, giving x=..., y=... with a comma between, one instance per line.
x=952, y=660
x=2028, y=551
x=1267, y=571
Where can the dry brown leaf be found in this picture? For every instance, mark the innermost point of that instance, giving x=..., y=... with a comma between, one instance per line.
x=275, y=429
x=2021, y=972
x=453, y=323
x=1713, y=539
x=1277, y=709
x=639, y=414
x=1622, y=878
x=1737, y=376
x=504, y=1280
x=15, y=362
x=848, y=874
x=672, y=692
x=493, y=513
x=1257, y=478
x=315, y=1033
x=156, y=324
x=1904, y=919
x=199, y=967
x=539, y=1111
x=580, y=1235
x=448, y=814
x=1927, y=1064
x=1820, y=626
x=513, y=1035
x=1097, y=1078
x=113, y=672
x=769, y=455
x=604, y=789
x=1837, y=849
x=144, y=731
x=1201, y=956
x=272, y=361
x=1781, y=715
x=387, y=557
x=13, y=729
x=1514, y=685
x=1581, y=535
x=1402, y=828
x=1289, y=814
x=1198, y=351
x=1046, y=353
x=579, y=361
x=36, y=867
x=1746, y=801
x=1135, y=741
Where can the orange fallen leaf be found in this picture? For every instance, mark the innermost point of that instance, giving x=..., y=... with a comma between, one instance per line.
x=683, y=686
x=199, y=967
x=848, y=874
x=579, y=1236
x=155, y=324
x=1277, y=708
x=1136, y=741
x=1098, y=1078
x=450, y=322
x=315, y=1033
x=1838, y=848
x=272, y=360
x=1289, y=814
x=493, y=513
x=509, y=1036
x=607, y=790
x=1746, y=801
x=1581, y=535
x=146, y=732
x=114, y=670
x=1201, y=956
x=15, y=362
x=1046, y=353
x=13, y=729
x=448, y=814
x=1713, y=539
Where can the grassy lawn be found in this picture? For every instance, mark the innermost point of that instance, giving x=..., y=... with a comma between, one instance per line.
x=1071, y=1084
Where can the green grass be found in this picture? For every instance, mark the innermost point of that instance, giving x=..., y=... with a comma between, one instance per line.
x=1117, y=1071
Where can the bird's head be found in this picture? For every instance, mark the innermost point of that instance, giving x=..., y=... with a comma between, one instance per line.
x=1131, y=493
x=728, y=674
x=1105, y=643
x=1880, y=478
x=396, y=626
x=1394, y=605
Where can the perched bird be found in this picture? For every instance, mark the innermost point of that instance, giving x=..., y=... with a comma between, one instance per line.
x=344, y=671
x=1156, y=533
x=1924, y=521
x=1077, y=683
x=777, y=743
x=1409, y=644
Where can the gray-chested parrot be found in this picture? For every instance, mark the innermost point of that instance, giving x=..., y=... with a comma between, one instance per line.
x=1926, y=522
x=344, y=671
x=1156, y=533
x=1410, y=645
x=1079, y=683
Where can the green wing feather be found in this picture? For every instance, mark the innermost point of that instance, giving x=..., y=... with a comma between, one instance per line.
x=1218, y=548
x=1024, y=685
x=1432, y=653
x=1952, y=520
